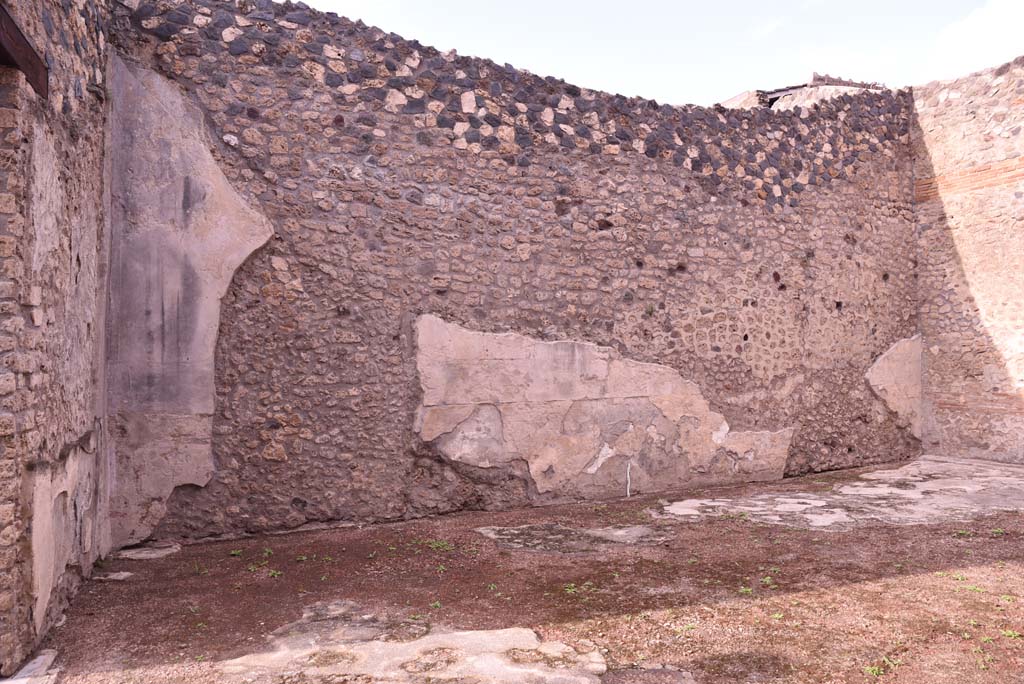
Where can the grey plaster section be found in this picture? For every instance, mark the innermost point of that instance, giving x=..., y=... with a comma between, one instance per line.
x=649, y=675
x=555, y=538
x=929, y=490
x=335, y=642
x=179, y=232
x=114, y=576
x=148, y=551
x=39, y=670
x=65, y=525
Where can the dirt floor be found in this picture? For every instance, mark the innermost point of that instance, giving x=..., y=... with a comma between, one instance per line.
x=723, y=595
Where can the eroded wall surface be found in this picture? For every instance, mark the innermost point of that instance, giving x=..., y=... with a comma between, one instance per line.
x=968, y=142
x=53, y=471
x=765, y=257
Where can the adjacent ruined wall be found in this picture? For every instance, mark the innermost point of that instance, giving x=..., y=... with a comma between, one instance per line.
x=968, y=139
x=765, y=257
x=53, y=476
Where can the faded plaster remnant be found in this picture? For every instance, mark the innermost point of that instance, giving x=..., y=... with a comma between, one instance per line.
x=336, y=641
x=179, y=232
x=47, y=198
x=150, y=551
x=587, y=422
x=931, y=489
x=896, y=378
x=555, y=538
x=39, y=670
x=65, y=512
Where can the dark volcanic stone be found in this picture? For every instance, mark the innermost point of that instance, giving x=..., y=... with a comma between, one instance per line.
x=179, y=16
x=239, y=46
x=145, y=11
x=301, y=18
x=166, y=31
x=418, y=106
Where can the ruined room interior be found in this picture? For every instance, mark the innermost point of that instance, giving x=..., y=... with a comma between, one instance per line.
x=330, y=357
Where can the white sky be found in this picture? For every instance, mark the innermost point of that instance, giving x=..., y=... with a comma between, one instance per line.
x=705, y=51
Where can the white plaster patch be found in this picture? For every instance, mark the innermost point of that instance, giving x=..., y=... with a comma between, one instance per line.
x=179, y=230
x=39, y=670
x=64, y=520
x=928, y=490
x=150, y=552
x=602, y=456
x=896, y=378
x=336, y=642
x=114, y=576
x=587, y=423
x=562, y=539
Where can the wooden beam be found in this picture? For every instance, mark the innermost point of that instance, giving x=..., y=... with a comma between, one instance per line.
x=17, y=52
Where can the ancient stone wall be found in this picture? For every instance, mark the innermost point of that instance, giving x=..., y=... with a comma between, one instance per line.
x=53, y=478
x=968, y=139
x=765, y=259
x=354, y=279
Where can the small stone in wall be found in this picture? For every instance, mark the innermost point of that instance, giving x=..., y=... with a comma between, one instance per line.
x=314, y=71
x=274, y=452
x=394, y=101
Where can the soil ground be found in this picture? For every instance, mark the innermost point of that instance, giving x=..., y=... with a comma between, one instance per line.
x=724, y=597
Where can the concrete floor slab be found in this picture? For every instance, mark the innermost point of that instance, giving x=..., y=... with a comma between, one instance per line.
x=914, y=570
x=929, y=489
